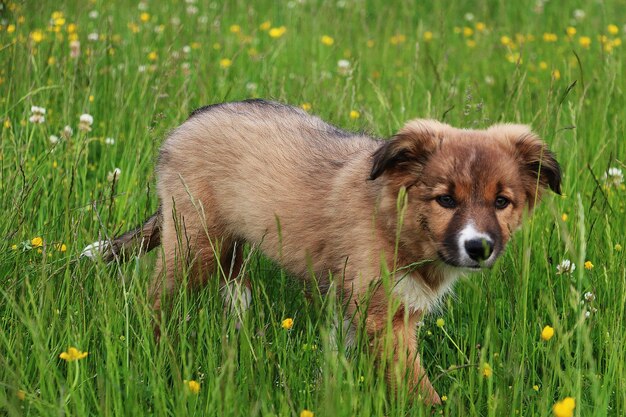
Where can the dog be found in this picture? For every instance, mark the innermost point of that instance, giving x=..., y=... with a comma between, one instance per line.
x=421, y=208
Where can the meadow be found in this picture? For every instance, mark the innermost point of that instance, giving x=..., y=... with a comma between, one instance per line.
x=89, y=90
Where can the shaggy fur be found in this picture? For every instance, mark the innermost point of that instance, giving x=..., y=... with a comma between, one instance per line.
x=319, y=200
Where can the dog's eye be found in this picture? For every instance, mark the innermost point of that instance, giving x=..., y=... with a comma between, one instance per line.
x=446, y=201
x=502, y=203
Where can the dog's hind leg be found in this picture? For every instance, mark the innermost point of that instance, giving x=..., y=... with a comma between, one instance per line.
x=235, y=282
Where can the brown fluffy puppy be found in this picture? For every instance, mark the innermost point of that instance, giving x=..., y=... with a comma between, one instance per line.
x=319, y=200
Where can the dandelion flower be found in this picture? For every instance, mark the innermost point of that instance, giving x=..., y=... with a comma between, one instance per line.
x=428, y=36
x=588, y=265
x=613, y=177
x=354, y=114
x=613, y=29
x=277, y=32
x=306, y=413
x=547, y=333
x=153, y=56
x=265, y=25
x=225, y=63
x=550, y=37
x=85, y=122
x=287, y=323
x=565, y=267
x=564, y=217
x=564, y=408
x=67, y=132
x=505, y=40
x=36, y=242
x=305, y=106
x=556, y=74
x=584, y=41
x=38, y=115
x=36, y=36
x=235, y=28
x=327, y=40
x=480, y=27
x=440, y=322
x=73, y=354
x=487, y=371
x=467, y=31
x=571, y=31
x=444, y=398
x=194, y=386
x=536, y=388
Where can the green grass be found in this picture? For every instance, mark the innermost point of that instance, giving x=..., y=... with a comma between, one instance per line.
x=50, y=299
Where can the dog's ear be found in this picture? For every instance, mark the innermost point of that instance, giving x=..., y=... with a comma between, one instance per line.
x=410, y=147
x=537, y=163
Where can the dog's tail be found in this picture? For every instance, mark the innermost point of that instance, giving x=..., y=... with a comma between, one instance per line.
x=134, y=242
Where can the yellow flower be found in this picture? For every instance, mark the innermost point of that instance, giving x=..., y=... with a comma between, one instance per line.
x=564, y=408
x=36, y=36
x=71, y=28
x=7, y=123
x=11, y=28
x=617, y=247
x=287, y=323
x=370, y=43
x=428, y=36
x=61, y=247
x=59, y=21
x=277, y=32
x=36, y=242
x=467, y=31
x=225, y=63
x=354, y=114
x=487, y=370
x=265, y=25
x=536, y=388
x=235, y=28
x=547, y=333
x=306, y=413
x=571, y=31
x=73, y=354
x=153, y=56
x=584, y=41
x=21, y=395
x=480, y=26
x=444, y=398
x=564, y=217
x=144, y=17
x=505, y=40
x=440, y=322
x=588, y=265
x=613, y=29
x=194, y=386
x=91, y=98
x=549, y=37
x=556, y=74
x=327, y=40
x=14, y=246
x=305, y=106
x=397, y=39
x=471, y=43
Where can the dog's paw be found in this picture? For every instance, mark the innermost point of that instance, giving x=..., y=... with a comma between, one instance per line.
x=95, y=250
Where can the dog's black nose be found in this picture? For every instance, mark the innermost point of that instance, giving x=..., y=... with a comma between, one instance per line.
x=479, y=249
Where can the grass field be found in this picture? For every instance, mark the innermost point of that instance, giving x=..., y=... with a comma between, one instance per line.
x=138, y=69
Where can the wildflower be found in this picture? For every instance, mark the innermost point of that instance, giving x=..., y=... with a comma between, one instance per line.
x=613, y=177
x=251, y=87
x=343, y=66
x=74, y=49
x=505, y=40
x=194, y=386
x=428, y=36
x=588, y=265
x=71, y=28
x=469, y=17
x=36, y=242
x=11, y=28
x=114, y=175
x=617, y=247
x=397, y=39
x=235, y=28
x=61, y=247
x=93, y=14
x=93, y=36
x=306, y=413
x=265, y=25
x=487, y=371
x=287, y=324
x=73, y=354
x=467, y=31
x=144, y=17
x=225, y=63
x=67, y=132
x=547, y=333
x=556, y=74
x=21, y=395
x=536, y=387
x=36, y=36
x=153, y=56
x=440, y=322
x=444, y=398
x=53, y=139
x=489, y=80
x=565, y=267
x=14, y=247
x=584, y=41
x=579, y=14
x=564, y=408
x=327, y=40
x=305, y=106
x=38, y=115
x=480, y=27
x=571, y=31
x=354, y=114
x=471, y=43
x=86, y=120
x=564, y=217
x=589, y=296
x=550, y=37
x=277, y=32
x=612, y=29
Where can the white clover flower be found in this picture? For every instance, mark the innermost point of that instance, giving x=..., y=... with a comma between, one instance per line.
x=94, y=14
x=86, y=120
x=579, y=14
x=343, y=66
x=587, y=314
x=38, y=115
x=143, y=6
x=251, y=87
x=186, y=49
x=109, y=141
x=565, y=267
x=175, y=21
x=191, y=10
x=489, y=80
x=613, y=177
x=469, y=17
x=93, y=36
x=114, y=175
x=67, y=132
x=589, y=296
x=53, y=139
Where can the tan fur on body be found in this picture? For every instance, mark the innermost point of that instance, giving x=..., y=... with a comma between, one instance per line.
x=319, y=200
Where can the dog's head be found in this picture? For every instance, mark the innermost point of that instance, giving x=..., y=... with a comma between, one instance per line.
x=467, y=189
